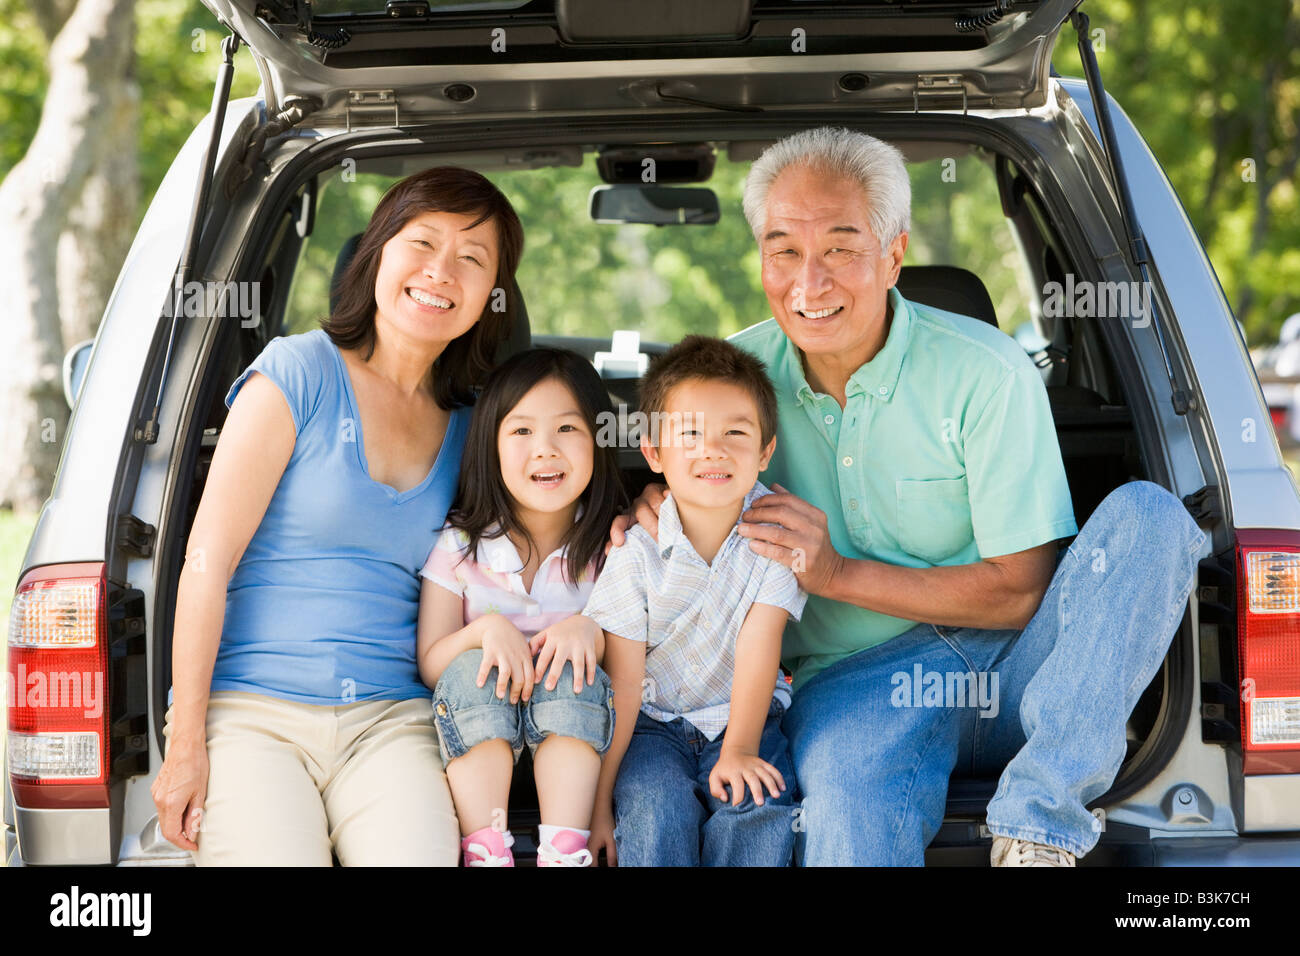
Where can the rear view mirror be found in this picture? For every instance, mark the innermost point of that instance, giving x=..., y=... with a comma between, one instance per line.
x=654, y=205
x=74, y=369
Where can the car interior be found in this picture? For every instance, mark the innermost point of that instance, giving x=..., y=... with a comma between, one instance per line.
x=1006, y=247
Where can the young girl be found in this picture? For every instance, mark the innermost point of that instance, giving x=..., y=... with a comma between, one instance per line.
x=500, y=636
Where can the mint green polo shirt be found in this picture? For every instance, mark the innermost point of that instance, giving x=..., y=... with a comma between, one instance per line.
x=945, y=453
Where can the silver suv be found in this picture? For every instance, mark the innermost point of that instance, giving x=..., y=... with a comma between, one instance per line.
x=591, y=115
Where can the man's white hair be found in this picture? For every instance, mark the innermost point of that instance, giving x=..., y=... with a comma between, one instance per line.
x=834, y=151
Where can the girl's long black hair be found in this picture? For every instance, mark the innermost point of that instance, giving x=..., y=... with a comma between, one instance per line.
x=484, y=501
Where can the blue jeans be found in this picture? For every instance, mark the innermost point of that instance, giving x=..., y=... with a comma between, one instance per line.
x=466, y=715
x=664, y=814
x=876, y=735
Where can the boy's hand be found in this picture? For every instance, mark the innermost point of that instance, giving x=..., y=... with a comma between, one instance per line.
x=575, y=639
x=602, y=835
x=645, y=512
x=506, y=649
x=736, y=769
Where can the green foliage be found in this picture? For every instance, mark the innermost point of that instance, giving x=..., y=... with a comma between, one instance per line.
x=22, y=78
x=1211, y=86
x=178, y=51
x=15, y=532
x=581, y=278
x=584, y=278
x=176, y=68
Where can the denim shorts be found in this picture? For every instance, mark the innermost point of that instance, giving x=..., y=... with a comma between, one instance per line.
x=466, y=715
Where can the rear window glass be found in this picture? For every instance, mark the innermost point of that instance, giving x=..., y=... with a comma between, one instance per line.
x=580, y=278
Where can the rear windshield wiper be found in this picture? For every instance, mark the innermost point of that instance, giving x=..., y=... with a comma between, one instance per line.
x=1183, y=399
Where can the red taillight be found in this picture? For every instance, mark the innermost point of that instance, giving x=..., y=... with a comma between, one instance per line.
x=1268, y=649
x=1279, y=417
x=58, y=688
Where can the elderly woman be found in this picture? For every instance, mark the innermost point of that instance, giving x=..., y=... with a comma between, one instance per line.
x=300, y=728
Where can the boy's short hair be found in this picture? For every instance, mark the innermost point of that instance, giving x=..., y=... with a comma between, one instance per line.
x=701, y=357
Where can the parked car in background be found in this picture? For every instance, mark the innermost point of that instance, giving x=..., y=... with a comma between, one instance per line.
x=553, y=99
x=1279, y=375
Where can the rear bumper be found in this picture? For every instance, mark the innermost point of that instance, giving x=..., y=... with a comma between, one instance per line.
x=1277, y=850
x=65, y=837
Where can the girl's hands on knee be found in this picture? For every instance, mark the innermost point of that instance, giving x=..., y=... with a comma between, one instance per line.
x=575, y=640
x=506, y=649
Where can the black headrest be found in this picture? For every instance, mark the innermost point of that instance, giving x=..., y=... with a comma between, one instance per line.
x=519, y=340
x=949, y=288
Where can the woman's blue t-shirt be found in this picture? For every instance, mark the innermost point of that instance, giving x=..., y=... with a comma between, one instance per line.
x=322, y=608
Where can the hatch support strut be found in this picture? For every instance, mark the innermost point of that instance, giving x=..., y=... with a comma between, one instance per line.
x=147, y=431
x=1183, y=400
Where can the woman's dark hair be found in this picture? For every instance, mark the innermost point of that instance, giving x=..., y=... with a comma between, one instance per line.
x=467, y=359
x=483, y=499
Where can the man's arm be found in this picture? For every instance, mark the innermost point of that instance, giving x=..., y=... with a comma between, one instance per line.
x=999, y=592
x=996, y=593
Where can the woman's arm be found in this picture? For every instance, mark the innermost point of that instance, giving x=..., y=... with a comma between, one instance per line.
x=250, y=458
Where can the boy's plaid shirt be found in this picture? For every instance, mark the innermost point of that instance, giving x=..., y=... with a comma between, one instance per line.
x=689, y=614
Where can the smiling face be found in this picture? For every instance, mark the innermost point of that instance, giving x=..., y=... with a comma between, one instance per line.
x=546, y=450
x=710, y=449
x=435, y=276
x=823, y=273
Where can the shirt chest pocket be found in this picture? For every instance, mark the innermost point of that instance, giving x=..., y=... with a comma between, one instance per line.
x=934, y=517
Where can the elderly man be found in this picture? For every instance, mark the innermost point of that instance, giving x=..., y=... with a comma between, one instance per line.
x=921, y=481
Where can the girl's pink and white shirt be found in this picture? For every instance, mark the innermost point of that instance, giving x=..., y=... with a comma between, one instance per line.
x=491, y=582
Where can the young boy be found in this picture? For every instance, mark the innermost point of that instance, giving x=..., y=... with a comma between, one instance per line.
x=693, y=625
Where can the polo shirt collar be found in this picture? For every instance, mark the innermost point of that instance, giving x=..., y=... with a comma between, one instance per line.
x=879, y=377
x=881, y=372
x=670, y=522
x=499, y=554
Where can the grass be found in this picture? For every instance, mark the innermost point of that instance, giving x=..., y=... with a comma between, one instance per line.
x=15, y=532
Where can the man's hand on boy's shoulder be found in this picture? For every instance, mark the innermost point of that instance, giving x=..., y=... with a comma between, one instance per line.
x=784, y=527
x=645, y=512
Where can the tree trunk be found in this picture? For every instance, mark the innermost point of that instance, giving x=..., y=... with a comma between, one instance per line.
x=99, y=230
x=86, y=60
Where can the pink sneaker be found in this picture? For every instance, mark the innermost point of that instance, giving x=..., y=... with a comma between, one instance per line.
x=488, y=847
x=565, y=849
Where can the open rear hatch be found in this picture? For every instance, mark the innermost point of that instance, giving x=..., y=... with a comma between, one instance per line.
x=408, y=62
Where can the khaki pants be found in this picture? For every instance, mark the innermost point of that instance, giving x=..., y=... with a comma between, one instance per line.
x=293, y=784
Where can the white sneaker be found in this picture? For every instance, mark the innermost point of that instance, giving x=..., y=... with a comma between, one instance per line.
x=1008, y=851
x=564, y=848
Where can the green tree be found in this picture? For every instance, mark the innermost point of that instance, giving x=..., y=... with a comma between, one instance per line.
x=1215, y=90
